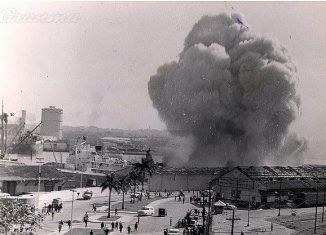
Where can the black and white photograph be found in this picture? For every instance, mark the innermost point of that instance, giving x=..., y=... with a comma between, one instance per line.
x=167, y=117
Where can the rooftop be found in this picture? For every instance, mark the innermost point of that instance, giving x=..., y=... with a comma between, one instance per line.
x=29, y=172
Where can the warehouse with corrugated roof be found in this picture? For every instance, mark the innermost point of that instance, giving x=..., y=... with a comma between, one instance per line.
x=269, y=185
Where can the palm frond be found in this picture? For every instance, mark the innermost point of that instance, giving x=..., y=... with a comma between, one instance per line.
x=111, y=182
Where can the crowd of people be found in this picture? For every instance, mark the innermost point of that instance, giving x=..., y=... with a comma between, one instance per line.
x=118, y=225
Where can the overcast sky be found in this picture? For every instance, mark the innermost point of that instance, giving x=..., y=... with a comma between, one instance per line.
x=96, y=67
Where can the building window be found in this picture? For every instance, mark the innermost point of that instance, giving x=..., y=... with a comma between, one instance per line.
x=235, y=194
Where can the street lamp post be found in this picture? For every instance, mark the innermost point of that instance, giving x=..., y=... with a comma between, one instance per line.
x=72, y=208
x=316, y=211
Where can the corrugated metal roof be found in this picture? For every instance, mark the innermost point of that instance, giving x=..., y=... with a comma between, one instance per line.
x=284, y=171
x=191, y=171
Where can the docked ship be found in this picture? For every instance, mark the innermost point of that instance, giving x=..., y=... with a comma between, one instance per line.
x=28, y=144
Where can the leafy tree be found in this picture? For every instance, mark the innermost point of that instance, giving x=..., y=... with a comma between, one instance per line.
x=16, y=215
x=124, y=185
x=111, y=183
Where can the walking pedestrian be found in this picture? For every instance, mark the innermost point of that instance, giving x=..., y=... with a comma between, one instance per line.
x=94, y=208
x=60, y=207
x=86, y=219
x=91, y=232
x=116, y=211
x=120, y=227
x=106, y=231
x=52, y=214
x=69, y=223
x=136, y=226
x=112, y=225
x=49, y=208
x=183, y=200
x=129, y=229
x=60, y=225
x=102, y=225
x=116, y=224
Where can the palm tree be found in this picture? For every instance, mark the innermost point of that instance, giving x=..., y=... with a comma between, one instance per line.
x=124, y=186
x=134, y=178
x=111, y=182
x=146, y=166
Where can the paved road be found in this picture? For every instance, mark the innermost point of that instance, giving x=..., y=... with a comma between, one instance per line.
x=80, y=207
x=148, y=225
x=175, y=210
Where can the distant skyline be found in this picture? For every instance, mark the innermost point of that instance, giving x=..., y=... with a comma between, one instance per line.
x=96, y=68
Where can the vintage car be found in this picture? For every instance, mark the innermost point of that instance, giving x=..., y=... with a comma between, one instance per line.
x=146, y=210
x=87, y=195
x=56, y=202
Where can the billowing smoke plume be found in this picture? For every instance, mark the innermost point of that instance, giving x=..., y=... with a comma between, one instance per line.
x=232, y=92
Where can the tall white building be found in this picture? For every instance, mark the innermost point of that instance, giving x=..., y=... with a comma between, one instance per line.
x=52, y=122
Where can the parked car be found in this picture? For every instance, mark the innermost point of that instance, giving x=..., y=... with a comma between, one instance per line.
x=146, y=210
x=87, y=195
x=174, y=231
x=162, y=212
x=230, y=207
x=135, y=195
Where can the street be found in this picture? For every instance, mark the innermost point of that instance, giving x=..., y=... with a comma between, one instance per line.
x=149, y=224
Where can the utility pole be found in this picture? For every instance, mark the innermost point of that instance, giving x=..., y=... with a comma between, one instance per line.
x=322, y=217
x=81, y=178
x=203, y=212
x=249, y=201
x=248, y=209
x=209, y=219
x=279, y=199
x=315, y=227
x=39, y=185
x=6, y=132
x=76, y=151
x=232, y=228
x=72, y=208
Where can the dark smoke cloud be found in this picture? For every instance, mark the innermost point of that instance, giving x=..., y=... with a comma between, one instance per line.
x=233, y=93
